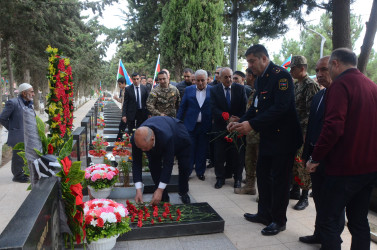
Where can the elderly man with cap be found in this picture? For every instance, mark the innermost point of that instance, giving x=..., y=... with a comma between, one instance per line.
x=12, y=119
x=305, y=89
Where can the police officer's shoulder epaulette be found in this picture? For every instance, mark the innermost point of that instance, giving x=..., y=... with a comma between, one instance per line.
x=276, y=70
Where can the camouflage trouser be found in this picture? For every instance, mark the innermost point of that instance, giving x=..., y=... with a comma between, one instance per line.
x=251, y=157
x=300, y=175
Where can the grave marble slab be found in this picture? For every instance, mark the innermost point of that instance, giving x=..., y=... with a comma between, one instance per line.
x=201, y=219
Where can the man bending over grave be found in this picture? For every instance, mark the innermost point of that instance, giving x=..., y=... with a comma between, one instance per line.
x=162, y=138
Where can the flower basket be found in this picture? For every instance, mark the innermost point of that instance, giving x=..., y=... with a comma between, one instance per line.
x=104, y=243
x=105, y=220
x=100, y=176
x=97, y=159
x=100, y=193
x=99, y=146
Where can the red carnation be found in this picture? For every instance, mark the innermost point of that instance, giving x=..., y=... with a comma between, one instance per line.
x=152, y=221
x=50, y=149
x=100, y=222
x=140, y=223
x=88, y=219
x=225, y=116
x=119, y=218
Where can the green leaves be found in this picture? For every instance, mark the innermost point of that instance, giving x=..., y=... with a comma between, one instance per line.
x=19, y=146
x=75, y=175
x=66, y=150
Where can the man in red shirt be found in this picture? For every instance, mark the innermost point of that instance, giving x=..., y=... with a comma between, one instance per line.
x=348, y=146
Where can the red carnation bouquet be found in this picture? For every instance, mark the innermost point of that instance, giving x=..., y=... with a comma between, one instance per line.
x=99, y=146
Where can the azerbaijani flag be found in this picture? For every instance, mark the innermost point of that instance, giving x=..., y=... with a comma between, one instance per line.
x=158, y=68
x=122, y=72
x=287, y=62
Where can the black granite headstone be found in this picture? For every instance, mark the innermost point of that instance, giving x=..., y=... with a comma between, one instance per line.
x=36, y=223
x=85, y=123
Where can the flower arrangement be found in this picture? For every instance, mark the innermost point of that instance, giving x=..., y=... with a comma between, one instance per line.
x=99, y=146
x=104, y=219
x=101, y=123
x=159, y=214
x=125, y=168
x=60, y=99
x=100, y=176
x=71, y=177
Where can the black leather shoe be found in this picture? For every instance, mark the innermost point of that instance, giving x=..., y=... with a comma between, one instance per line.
x=186, y=199
x=301, y=204
x=310, y=239
x=273, y=229
x=21, y=179
x=237, y=184
x=219, y=184
x=201, y=177
x=255, y=218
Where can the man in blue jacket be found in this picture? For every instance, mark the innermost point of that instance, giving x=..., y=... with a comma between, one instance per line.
x=195, y=112
x=12, y=119
x=162, y=138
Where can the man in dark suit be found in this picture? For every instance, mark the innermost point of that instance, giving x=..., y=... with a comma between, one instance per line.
x=230, y=98
x=162, y=137
x=347, y=144
x=134, y=106
x=317, y=110
x=12, y=119
x=273, y=115
x=195, y=112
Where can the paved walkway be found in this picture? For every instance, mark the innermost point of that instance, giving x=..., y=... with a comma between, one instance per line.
x=238, y=234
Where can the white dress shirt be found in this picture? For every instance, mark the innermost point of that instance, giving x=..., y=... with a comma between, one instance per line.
x=201, y=97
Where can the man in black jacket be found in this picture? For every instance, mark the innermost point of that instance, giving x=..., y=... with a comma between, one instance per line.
x=273, y=115
x=134, y=106
x=181, y=86
x=229, y=98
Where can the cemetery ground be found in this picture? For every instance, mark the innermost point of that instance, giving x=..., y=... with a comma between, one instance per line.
x=238, y=233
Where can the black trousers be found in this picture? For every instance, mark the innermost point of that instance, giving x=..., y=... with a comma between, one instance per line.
x=225, y=151
x=274, y=177
x=17, y=164
x=122, y=129
x=183, y=157
x=353, y=194
x=139, y=119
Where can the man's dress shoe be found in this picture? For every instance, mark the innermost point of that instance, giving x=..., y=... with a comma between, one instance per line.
x=186, y=199
x=310, y=239
x=219, y=184
x=301, y=204
x=273, y=229
x=255, y=218
x=201, y=177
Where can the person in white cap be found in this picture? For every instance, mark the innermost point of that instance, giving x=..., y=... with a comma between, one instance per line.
x=12, y=119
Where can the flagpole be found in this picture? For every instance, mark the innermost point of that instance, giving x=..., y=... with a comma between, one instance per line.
x=155, y=71
x=116, y=78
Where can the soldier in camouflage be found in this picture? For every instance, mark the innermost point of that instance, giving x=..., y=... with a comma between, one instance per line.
x=163, y=99
x=305, y=89
x=252, y=144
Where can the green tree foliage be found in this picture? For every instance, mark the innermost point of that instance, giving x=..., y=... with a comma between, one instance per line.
x=309, y=43
x=191, y=35
x=372, y=66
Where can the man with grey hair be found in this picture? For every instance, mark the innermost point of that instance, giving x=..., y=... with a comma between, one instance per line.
x=12, y=119
x=162, y=138
x=347, y=145
x=195, y=112
x=228, y=103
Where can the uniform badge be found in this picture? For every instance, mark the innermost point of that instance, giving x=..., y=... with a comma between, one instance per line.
x=283, y=84
x=276, y=70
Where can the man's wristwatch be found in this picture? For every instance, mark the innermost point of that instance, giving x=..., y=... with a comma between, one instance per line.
x=312, y=161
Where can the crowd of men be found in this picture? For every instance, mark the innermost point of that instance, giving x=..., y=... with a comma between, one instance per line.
x=289, y=132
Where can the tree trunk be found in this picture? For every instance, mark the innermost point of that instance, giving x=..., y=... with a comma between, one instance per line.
x=341, y=24
x=10, y=70
x=1, y=88
x=234, y=36
x=370, y=33
x=35, y=85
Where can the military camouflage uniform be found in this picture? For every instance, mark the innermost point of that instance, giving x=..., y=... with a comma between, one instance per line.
x=163, y=101
x=251, y=153
x=304, y=92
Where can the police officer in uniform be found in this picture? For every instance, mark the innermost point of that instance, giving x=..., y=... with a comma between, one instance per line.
x=273, y=115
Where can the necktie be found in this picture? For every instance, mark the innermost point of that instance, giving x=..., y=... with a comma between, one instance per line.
x=137, y=98
x=227, y=95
